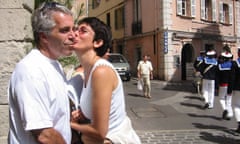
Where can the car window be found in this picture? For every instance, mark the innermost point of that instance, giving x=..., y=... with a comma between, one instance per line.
x=116, y=59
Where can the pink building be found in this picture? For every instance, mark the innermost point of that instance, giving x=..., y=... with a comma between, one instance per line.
x=173, y=32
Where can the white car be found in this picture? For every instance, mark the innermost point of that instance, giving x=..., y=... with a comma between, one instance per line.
x=121, y=64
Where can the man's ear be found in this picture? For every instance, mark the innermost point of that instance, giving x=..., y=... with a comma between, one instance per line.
x=43, y=37
x=98, y=43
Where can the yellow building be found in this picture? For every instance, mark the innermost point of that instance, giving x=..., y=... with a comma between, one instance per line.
x=112, y=13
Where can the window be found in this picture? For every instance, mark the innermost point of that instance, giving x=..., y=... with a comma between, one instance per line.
x=225, y=13
x=95, y=3
x=208, y=10
x=137, y=10
x=108, y=20
x=137, y=18
x=119, y=18
x=186, y=8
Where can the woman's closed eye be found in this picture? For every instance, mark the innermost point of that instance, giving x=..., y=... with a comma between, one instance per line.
x=82, y=30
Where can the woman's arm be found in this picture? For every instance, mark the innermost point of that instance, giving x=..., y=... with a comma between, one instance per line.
x=104, y=81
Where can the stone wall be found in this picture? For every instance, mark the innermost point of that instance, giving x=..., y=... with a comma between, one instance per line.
x=16, y=31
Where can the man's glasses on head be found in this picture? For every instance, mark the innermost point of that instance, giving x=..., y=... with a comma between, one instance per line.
x=49, y=5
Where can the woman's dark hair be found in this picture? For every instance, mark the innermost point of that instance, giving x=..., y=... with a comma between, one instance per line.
x=102, y=32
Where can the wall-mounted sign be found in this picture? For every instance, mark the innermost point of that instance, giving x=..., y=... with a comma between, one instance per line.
x=165, y=42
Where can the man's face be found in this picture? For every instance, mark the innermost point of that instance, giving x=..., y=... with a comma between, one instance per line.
x=145, y=58
x=62, y=37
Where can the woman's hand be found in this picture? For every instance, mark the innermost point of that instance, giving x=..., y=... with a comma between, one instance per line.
x=77, y=116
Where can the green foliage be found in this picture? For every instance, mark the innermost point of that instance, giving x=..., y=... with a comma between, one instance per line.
x=38, y=2
x=71, y=60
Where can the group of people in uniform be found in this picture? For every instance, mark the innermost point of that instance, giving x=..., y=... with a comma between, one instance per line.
x=220, y=75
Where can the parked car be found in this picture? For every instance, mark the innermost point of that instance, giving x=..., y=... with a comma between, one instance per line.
x=121, y=64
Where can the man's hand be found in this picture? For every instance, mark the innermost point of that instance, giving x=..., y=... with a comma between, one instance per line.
x=139, y=75
x=151, y=76
x=48, y=136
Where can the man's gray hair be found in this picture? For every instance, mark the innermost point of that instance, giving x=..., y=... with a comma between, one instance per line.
x=42, y=20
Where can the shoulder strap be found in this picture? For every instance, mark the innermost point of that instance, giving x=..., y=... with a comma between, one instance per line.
x=208, y=68
x=199, y=63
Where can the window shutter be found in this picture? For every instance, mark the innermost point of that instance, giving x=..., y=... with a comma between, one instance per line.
x=221, y=16
x=214, y=10
x=193, y=8
x=179, y=7
x=203, y=12
x=230, y=14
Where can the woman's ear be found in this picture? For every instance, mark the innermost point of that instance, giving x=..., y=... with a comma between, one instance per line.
x=98, y=43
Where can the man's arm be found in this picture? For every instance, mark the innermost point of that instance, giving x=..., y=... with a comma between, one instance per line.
x=48, y=136
x=151, y=74
x=151, y=70
x=139, y=70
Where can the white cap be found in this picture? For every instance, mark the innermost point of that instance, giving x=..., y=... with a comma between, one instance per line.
x=212, y=52
x=226, y=54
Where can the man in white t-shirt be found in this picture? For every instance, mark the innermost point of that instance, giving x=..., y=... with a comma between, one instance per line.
x=145, y=74
x=39, y=110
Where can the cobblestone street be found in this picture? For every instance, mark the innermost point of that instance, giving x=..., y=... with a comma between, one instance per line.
x=189, y=137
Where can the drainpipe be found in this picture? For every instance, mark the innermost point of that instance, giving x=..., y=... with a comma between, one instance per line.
x=155, y=51
x=87, y=7
x=234, y=19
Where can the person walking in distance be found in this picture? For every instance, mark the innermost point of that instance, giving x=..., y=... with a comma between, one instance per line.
x=208, y=70
x=224, y=76
x=197, y=74
x=198, y=62
x=39, y=109
x=145, y=74
x=236, y=89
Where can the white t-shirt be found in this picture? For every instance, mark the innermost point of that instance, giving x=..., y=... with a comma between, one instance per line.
x=117, y=110
x=145, y=67
x=37, y=99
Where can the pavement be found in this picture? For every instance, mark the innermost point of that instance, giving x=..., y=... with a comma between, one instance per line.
x=174, y=115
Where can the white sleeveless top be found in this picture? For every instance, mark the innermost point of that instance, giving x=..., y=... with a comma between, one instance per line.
x=117, y=110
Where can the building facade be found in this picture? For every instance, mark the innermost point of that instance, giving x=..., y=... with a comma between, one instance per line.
x=171, y=32
x=111, y=12
x=199, y=25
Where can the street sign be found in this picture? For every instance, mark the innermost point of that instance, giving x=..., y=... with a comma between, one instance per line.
x=165, y=42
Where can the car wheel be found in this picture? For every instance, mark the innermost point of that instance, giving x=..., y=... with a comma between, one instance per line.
x=128, y=78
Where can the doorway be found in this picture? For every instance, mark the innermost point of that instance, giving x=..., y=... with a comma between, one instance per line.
x=187, y=61
x=137, y=58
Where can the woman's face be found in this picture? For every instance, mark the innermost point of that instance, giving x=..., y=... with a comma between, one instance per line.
x=85, y=36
